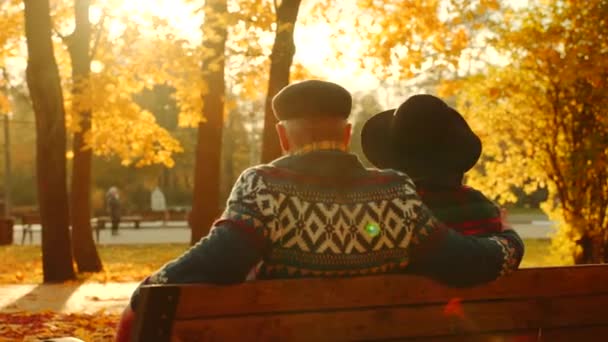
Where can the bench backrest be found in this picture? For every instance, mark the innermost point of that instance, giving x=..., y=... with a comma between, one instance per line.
x=30, y=218
x=171, y=215
x=548, y=304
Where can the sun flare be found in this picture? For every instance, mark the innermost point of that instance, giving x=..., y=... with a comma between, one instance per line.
x=180, y=15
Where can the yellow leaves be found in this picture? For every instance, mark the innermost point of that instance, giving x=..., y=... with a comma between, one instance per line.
x=299, y=73
x=420, y=36
x=448, y=88
x=119, y=125
x=11, y=28
x=490, y=4
x=122, y=263
x=546, y=120
x=138, y=141
x=494, y=92
x=5, y=106
x=34, y=326
x=596, y=80
x=460, y=40
x=438, y=43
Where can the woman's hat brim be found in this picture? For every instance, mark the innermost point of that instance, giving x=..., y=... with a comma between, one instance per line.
x=376, y=141
x=381, y=149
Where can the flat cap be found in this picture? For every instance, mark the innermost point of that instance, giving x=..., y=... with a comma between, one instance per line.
x=312, y=99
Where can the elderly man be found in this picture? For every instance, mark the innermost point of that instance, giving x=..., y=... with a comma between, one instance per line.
x=318, y=212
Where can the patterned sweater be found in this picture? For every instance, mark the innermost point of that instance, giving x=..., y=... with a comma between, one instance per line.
x=323, y=214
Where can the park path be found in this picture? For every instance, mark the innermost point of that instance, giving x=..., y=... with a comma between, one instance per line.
x=66, y=298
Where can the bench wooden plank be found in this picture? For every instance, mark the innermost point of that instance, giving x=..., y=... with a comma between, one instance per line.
x=378, y=307
x=101, y=221
x=402, y=322
x=581, y=334
x=320, y=294
x=30, y=219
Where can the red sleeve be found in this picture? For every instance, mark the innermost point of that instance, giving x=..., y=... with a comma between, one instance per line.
x=125, y=326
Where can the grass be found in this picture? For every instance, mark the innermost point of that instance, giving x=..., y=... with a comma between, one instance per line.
x=132, y=263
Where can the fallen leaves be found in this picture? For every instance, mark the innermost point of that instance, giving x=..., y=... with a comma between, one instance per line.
x=122, y=263
x=23, y=265
x=37, y=326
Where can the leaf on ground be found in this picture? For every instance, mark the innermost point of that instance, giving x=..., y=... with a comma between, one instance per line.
x=37, y=326
x=122, y=263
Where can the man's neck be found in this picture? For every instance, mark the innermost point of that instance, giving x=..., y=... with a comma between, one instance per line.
x=326, y=145
x=444, y=181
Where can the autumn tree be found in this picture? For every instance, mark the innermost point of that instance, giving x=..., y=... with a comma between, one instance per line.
x=102, y=111
x=127, y=63
x=78, y=43
x=281, y=59
x=206, y=196
x=47, y=98
x=414, y=43
x=543, y=116
x=11, y=26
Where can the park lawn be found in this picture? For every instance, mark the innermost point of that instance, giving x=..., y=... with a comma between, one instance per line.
x=132, y=263
x=122, y=263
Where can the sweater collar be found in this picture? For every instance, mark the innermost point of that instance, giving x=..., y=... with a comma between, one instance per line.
x=330, y=162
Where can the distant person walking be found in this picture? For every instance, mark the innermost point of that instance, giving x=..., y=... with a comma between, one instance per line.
x=113, y=208
x=158, y=202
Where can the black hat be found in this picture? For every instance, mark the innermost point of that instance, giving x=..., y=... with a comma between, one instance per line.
x=312, y=98
x=424, y=137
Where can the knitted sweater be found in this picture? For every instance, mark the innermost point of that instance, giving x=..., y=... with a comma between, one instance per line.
x=461, y=208
x=323, y=214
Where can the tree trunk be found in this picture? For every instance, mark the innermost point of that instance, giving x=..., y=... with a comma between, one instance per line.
x=85, y=252
x=228, y=156
x=281, y=59
x=206, y=196
x=47, y=100
x=605, y=246
x=592, y=250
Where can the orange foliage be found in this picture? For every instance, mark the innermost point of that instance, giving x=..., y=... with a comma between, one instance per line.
x=131, y=263
x=28, y=326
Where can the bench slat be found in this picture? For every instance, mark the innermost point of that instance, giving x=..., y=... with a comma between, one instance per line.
x=402, y=322
x=197, y=301
x=582, y=334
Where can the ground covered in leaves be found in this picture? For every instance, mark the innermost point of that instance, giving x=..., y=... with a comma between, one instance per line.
x=33, y=327
x=122, y=263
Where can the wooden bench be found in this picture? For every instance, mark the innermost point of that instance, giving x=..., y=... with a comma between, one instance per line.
x=100, y=222
x=137, y=219
x=27, y=221
x=541, y=304
x=169, y=215
x=30, y=219
x=153, y=216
